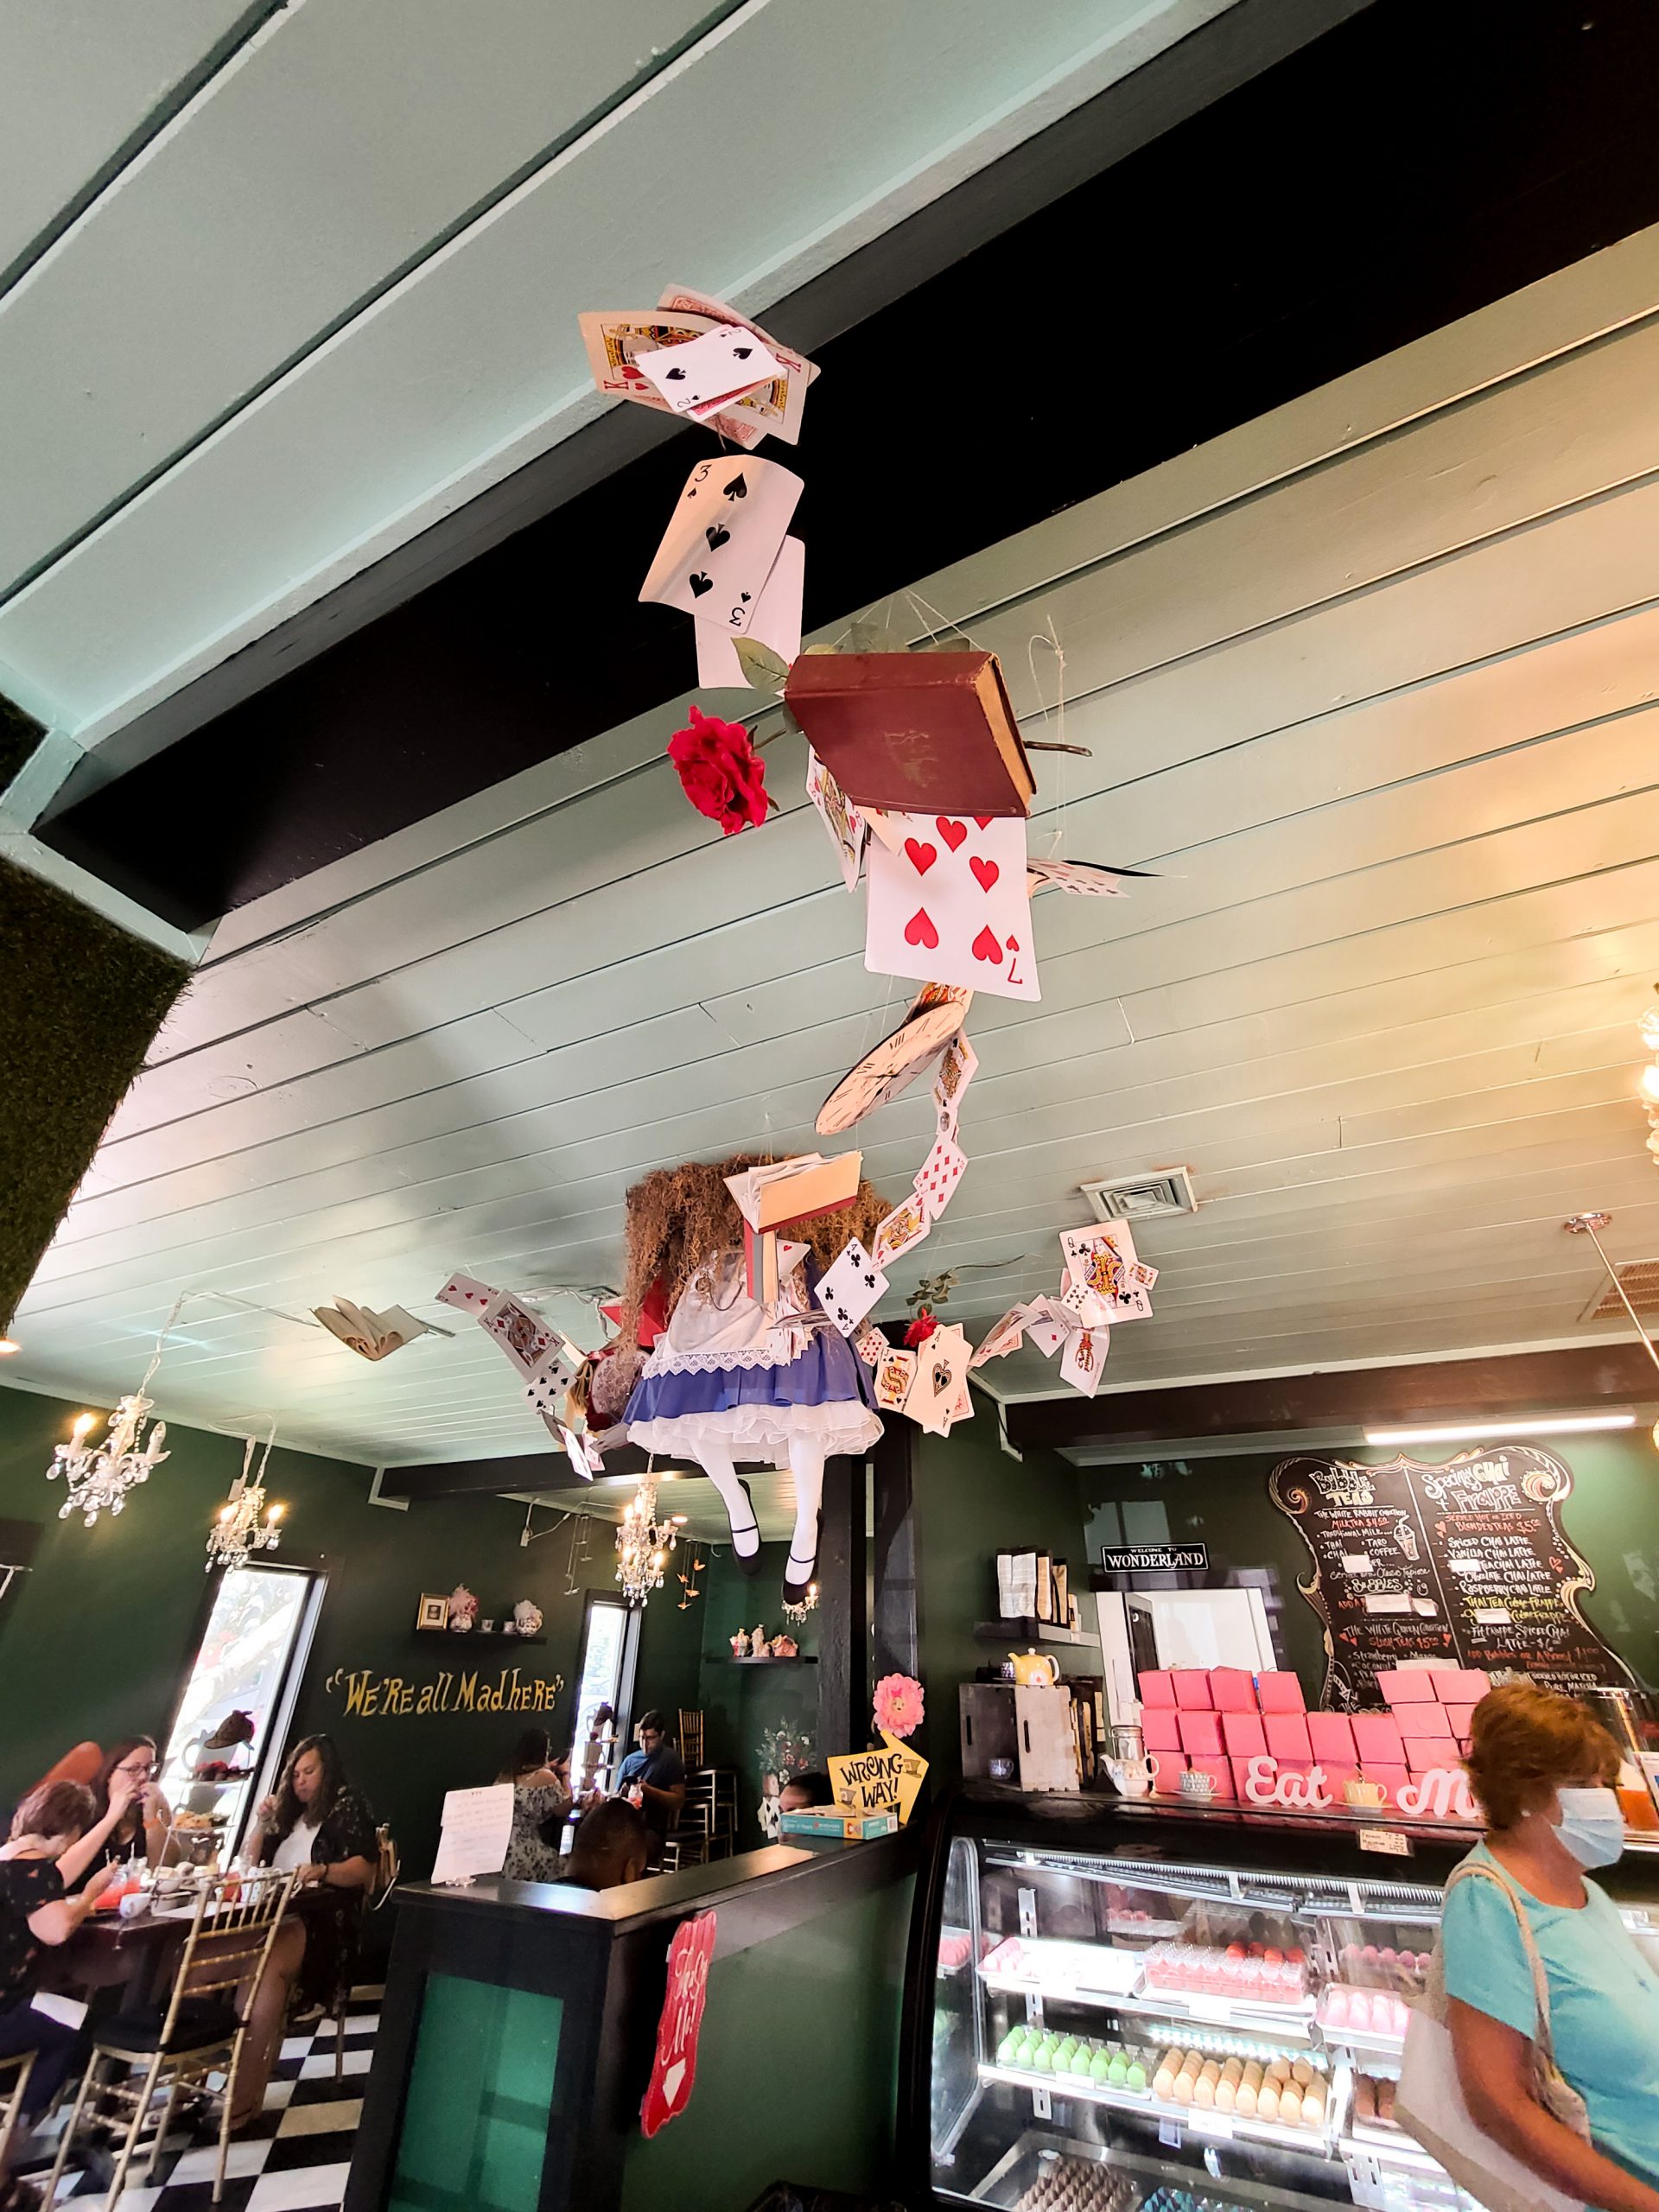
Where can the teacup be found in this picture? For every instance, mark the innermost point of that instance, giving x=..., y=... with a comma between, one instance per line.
x=1364, y=1793
x=1195, y=1785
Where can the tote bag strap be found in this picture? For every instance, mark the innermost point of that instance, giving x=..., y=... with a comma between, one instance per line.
x=1529, y=1944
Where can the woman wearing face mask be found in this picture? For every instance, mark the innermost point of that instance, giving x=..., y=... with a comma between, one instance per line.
x=1542, y=1767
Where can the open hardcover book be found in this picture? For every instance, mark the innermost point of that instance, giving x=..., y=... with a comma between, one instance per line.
x=371, y=1335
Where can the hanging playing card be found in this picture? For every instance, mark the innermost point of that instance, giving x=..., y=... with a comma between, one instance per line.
x=1047, y=1334
x=957, y=1069
x=1088, y=1309
x=870, y=1343
x=1002, y=1336
x=702, y=375
x=1084, y=1359
x=1099, y=1259
x=1087, y=878
x=775, y=409
x=899, y=1232
x=952, y=904
x=846, y=826
x=894, y=1373
x=548, y=1387
x=777, y=623
x=849, y=1290
x=941, y=1371
x=938, y=1175
x=575, y=1449
x=522, y=1334
x=726, y=531
x=466, y=1294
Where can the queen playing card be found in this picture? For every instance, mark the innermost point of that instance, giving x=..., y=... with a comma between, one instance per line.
x=1100, y=1260
x=950, y=903
x=851, y=1287
x=726, y=532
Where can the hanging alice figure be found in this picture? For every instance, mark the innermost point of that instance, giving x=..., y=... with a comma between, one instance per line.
x=730, y=1380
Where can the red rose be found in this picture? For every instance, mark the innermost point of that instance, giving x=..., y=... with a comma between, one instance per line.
x=719, y=772
x=921, y=1328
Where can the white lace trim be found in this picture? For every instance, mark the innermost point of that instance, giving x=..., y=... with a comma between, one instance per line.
x=763, y=1433
x=776, y=1351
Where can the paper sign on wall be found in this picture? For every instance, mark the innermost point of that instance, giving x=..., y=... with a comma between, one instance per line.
x=477, y=1828
x=674, y=2070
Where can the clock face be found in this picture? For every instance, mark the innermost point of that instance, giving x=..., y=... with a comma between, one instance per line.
x=897, y=1061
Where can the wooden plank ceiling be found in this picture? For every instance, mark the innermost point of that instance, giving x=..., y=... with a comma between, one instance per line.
x=1369, y=683
x=283, y=284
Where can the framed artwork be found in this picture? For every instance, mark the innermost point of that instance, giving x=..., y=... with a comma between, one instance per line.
x=434, y=1612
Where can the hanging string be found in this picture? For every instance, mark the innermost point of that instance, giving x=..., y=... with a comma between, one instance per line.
x=1047, y=637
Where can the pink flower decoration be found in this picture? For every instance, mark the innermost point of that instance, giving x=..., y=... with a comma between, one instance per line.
x=719, y=772
x=897, y=1704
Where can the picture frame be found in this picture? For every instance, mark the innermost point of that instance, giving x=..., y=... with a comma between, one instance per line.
x=434, y=1611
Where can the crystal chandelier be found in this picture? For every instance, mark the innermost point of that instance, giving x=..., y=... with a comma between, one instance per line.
x=643, y=1543
x=239, y=1530
x=99, y=1476
x=809, y=1604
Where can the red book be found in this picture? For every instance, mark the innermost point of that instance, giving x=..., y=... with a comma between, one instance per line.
x=914, y=732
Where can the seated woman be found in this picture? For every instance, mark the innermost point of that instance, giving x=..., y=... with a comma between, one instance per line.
x=56, y=1834
x=541, y=1802
x=319, y=1827
x=143, y=1826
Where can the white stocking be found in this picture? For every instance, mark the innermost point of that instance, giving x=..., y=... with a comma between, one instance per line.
x=716, y=1463
x=806, y=1464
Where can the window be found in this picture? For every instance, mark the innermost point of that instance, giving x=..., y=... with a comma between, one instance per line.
x=251, y=1658
x=609, y=1644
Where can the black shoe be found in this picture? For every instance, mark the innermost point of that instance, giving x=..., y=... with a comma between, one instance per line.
x=750, y=1565
x=795, y=1592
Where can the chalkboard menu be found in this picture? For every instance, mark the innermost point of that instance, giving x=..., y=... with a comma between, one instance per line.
x=1467, y=1563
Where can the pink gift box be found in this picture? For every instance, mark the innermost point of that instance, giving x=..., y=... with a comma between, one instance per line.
x=1426, y=1720
x=1201, y=1734
x=1336, y=1781
x=1231, y=1690
x=1192, y=1689
x=1219, y=1769
x=1376, y=1739
x=1462, y=1718
x=1425, y=1753
x=1332, y=1739
x=1160, y=1729
x=1407, y=1685
x=1279, y=1691
x=1158, y=1689
x=1241, y=1777
x=1286, y=1734
x=1243, y=1734
x=1461, y=1685
x=1167, y=1768
x=1393, y=1779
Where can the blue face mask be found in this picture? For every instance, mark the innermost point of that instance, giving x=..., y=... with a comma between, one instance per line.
x=1593, y=1826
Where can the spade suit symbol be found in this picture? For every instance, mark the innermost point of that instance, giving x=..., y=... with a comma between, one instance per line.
x=738, y=489
x=700, y=584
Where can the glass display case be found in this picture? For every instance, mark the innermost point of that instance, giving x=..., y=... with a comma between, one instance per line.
x=1130, y=2007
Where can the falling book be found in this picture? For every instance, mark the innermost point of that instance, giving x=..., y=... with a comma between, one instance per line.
x=371, y=1335
x=783, y=1190
x=914, y=732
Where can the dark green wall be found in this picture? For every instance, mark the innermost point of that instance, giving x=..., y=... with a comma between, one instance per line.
x=96, y=1640
x=972, y=1501
x=1612, y=1518
x=742, y=1706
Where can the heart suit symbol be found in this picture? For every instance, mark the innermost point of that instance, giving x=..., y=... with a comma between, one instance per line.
x=919, y=929
x=987, y=948
x=985, y=872
x=952, y=832
x=983, y=819
x=921, y=856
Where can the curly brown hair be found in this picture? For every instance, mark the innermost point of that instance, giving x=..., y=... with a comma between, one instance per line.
x=681, y=1218
x=1525, y=1742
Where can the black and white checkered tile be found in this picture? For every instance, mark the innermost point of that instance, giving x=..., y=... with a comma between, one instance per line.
x=294, y=2158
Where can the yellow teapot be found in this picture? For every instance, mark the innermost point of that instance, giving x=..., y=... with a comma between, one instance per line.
x=1035, y=1670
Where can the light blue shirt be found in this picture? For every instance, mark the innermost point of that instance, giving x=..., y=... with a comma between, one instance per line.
x=1604, y=2001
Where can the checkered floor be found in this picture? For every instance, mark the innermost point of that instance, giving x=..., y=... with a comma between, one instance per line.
x=293, y=2159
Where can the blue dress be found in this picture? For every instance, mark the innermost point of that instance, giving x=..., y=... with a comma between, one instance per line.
x=727, y=1371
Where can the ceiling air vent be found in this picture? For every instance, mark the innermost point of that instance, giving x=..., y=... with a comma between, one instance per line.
x=1141, y=1197
x=1641, y=1281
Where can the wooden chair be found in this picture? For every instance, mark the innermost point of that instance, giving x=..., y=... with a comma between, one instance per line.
x=11, y=2101
x=200, y=2029
x=387, y=1867
x=691, y=1737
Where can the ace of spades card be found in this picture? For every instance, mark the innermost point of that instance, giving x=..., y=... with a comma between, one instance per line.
x=726, y=532
x=1084, y=1360
x=1100, y=1260
x=938, y=1176
x=851, y=1287
x=941, y=1371
x=950, y=902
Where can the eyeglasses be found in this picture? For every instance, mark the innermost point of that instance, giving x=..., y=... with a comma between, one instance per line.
x=139, y=1773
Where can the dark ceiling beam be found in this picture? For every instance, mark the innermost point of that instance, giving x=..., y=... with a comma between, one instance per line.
x=1585, y=1378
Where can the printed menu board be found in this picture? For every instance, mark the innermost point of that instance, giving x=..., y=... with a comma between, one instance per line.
x=1467, y=1563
